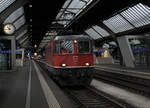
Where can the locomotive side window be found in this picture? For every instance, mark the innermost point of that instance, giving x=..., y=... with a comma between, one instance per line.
x=83, y=47
x=57, y=47
x=66, y=47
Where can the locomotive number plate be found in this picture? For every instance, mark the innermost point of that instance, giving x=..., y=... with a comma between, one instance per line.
x=75, y=58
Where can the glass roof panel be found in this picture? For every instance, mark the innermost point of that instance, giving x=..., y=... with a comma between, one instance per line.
x=4, y=4
x=23, y=40
x=16, y=14
x=68, y=16
x=144, y=12
x=73, y=8
x=42, y=45
x=62, y=22
x=118, y=24
x=123, y=24
x=59, y=14
x=66, y=3
x=143, y=18
x=93, y=34
x=145, y=8
x=76, y=4
x=21, y=34
x=101, y=31
x=47, y=37
x=106, y=22
x=44, y=41
x=20, y=22
x=138, y=15
x=128, y=16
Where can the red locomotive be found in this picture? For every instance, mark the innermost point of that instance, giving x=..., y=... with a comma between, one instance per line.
x=70, y=59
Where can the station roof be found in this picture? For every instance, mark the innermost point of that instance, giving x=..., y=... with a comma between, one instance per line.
x=96, y=18
x=130, y=18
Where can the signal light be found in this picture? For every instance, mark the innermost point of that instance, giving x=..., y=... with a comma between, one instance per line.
x=75, y=41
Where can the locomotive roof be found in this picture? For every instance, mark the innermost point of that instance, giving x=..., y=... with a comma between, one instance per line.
x=72, y=37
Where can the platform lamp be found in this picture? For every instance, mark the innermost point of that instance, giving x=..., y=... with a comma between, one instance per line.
x=35, y=46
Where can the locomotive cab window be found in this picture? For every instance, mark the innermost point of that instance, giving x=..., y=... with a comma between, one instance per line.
x=83, y=47
x=66, y=47
x=56, y=50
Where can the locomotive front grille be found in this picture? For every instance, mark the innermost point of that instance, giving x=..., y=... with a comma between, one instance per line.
x=75, y=72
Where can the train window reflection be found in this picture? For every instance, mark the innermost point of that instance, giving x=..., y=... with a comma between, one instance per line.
x=83, y=47
x=56, y=47
x=66, y=47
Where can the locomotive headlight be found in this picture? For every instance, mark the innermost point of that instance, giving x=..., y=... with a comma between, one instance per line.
x=63, y=65
x=87, y=64
x=75, y=41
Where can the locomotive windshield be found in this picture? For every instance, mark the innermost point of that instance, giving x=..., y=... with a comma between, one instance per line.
x=83, y=47
x=66, y=47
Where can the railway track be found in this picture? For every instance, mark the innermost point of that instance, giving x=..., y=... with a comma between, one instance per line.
x=88, y=98
x=91, y=98
x=132, y=82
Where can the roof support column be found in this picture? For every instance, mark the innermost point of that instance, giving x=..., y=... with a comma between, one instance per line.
x=13, y=49
x=115, y=39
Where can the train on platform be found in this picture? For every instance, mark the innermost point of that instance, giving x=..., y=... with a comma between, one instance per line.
x=69, y=60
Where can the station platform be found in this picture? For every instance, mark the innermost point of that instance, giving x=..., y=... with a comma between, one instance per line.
x=30, y=87
x=142, y=72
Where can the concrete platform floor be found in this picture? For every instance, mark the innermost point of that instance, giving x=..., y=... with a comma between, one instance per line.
x=29, y=88
x=139, y=68
x=137, y=72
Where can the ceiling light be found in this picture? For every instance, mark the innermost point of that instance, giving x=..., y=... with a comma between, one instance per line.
x=30, y=6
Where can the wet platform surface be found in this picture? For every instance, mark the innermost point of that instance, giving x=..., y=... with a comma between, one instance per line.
x=13, y=88
x=29, y=88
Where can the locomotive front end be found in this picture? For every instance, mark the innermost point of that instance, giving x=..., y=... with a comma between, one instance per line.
x=73, y=60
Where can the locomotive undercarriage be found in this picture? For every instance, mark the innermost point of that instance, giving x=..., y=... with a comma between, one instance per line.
x=73, y=76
